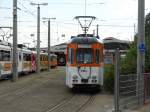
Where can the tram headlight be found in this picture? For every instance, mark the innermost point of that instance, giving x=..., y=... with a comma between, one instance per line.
x=75, y=77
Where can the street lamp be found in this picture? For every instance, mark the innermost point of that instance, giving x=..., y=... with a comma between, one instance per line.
x=38, y=33
x=49, y=33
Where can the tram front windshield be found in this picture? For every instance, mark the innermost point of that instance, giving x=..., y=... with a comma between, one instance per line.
x=84, y=55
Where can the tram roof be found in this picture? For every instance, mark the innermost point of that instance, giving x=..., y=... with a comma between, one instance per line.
x=85, y=40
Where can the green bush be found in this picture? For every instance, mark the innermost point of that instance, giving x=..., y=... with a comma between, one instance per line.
x=109, y=78
x=128, y=65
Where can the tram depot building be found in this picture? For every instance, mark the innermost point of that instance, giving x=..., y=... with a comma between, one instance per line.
x=110, y=45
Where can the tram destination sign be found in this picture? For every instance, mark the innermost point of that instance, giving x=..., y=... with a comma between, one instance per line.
x=84, y=46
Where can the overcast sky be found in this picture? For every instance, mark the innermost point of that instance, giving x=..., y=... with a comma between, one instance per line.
x=115, y=17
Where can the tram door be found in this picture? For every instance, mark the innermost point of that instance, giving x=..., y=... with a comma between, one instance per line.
x=20, y=69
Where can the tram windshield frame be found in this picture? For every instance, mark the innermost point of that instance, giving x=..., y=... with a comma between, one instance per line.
x=85, y=55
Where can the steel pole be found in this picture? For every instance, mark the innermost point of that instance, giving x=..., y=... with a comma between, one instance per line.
x=140, y=56
x=116, y=82
x=97, y=31
x=38, y=39
x=134, y=29
x=49, y=42
x=38, y=34
x=49, y=50
x=15, y=53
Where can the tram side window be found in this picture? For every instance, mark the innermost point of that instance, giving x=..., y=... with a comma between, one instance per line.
x=71, y=55
x=41, y=58
x=19, y=57
x=97, y=56
x=27, y=57
x=46, y=58
x=53, y=58
x=1, y=59
x=4, y=55
x=24, y=57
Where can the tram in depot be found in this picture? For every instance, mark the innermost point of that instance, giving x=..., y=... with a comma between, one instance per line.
x=26, y=60
x=84, y=62
x=53, y=61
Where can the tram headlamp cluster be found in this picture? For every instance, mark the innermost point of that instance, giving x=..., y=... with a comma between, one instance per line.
x=75, y=77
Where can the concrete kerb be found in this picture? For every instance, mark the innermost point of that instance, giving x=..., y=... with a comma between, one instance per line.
x=112, y=110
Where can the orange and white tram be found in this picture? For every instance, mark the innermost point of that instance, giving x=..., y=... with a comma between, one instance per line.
x=53, y=61
x=84, y=62
x=43, y=61
x=5, y=59
x=26, y=60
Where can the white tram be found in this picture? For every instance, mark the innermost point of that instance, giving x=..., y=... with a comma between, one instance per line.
x=26, y=60
x=84, y=59
x=5, y=58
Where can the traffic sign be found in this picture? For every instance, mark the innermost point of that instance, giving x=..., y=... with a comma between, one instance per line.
x=142, y=48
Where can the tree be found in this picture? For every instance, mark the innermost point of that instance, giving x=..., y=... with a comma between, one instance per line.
x=128, y=64
x=147, y=41
x=147, y=25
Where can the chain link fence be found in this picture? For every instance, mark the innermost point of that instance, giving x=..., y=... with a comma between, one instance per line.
x=129, y=88
x=147, y=88
x=128, y=91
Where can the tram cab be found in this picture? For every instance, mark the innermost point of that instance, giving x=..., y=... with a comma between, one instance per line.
x=84, y=61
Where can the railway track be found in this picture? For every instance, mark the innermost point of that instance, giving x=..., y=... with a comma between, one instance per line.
x=75, y=103
x=21, y=90
x=31, y=81
x=89, y=101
